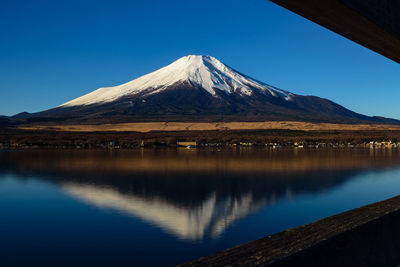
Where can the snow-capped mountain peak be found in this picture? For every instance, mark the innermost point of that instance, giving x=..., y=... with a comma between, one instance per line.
x=205, y=71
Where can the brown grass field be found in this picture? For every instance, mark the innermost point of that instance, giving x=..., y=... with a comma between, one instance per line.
x=209, y=126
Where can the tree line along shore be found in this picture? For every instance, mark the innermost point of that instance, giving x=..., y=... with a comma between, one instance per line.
x=36, y=139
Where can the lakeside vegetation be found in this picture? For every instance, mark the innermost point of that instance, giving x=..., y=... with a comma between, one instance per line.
x=274, y=138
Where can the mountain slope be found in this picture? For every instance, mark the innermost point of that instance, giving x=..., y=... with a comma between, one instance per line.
x=204, y=71
x=197, y=88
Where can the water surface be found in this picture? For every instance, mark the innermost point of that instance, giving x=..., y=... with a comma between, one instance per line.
x=163, y=207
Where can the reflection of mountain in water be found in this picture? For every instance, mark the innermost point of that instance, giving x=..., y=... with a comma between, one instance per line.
x=168, y=189
x=210, y=217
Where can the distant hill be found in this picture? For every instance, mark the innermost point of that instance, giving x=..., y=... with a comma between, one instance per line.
x=5, y=121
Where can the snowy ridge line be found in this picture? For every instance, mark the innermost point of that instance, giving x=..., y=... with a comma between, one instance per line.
x=206, y=71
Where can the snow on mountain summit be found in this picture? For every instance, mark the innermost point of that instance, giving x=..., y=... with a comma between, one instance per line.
x=205, y=71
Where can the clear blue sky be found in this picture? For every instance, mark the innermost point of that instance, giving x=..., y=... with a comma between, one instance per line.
x=54, y=51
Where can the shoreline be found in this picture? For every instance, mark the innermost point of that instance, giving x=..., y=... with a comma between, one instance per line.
x=12, y=138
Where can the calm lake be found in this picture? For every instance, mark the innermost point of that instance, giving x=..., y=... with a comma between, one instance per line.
x=164, y=207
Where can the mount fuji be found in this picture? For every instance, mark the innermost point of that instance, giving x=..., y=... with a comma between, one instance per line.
x=197, y=88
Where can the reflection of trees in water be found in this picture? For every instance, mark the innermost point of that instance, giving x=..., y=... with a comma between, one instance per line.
x=192, y=202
